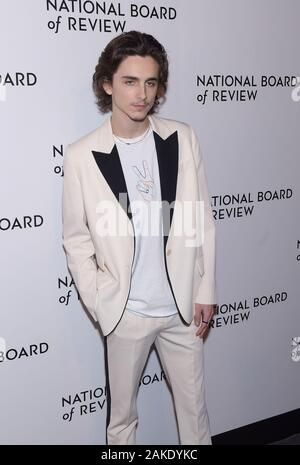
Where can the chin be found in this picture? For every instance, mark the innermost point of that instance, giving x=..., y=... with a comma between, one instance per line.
x=139, y=118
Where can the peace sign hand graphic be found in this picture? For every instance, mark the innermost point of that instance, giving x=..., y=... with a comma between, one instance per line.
x=145, y=184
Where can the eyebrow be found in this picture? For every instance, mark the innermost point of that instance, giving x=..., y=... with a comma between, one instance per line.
x=134, y=78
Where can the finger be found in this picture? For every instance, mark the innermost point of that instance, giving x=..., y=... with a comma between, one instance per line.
x=146, y=170
x=137, y=172
x=141, y=187
x=203, y=328
x=200, y=333
x=148, y=185
x=197, y=321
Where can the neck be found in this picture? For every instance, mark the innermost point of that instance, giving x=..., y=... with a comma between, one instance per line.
x=128, y=129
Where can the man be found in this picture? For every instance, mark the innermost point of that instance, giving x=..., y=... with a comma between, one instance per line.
x=146, y=274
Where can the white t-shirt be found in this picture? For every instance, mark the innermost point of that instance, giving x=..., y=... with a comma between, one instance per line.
x=150, y=294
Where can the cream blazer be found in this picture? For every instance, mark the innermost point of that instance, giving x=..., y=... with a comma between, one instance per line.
x=101, y=263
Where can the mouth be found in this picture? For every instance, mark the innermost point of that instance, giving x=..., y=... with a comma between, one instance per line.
x=139, y=106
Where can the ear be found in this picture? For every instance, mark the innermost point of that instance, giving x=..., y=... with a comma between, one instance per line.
x=107, y=87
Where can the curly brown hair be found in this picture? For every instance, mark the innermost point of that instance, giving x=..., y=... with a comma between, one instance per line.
x=128, y=44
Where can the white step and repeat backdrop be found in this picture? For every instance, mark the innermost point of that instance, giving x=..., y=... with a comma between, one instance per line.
x=233, y=76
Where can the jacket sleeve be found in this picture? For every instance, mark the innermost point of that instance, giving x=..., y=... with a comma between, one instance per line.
x=77, y=241
x=206, y=293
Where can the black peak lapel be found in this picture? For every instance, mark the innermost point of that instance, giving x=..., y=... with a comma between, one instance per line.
x=167, y=156
x=110, y=166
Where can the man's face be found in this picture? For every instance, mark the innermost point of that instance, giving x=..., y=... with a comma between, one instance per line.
x=134, y=88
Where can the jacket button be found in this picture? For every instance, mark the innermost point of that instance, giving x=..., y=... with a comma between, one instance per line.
x=169, y=252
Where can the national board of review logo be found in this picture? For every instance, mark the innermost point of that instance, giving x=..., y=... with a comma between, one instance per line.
x=23, y=352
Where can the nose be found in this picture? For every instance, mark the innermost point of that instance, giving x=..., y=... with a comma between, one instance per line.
x=142, y=91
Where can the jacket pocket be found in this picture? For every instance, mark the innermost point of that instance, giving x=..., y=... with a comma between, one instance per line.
x=103, y=278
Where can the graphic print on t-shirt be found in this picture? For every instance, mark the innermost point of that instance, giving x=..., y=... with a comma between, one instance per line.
x=145, y=184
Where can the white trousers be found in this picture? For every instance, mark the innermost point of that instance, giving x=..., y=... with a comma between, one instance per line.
x=181, y=356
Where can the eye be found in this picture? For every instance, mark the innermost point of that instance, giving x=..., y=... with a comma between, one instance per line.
x=129, y=82
x=151, y=83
